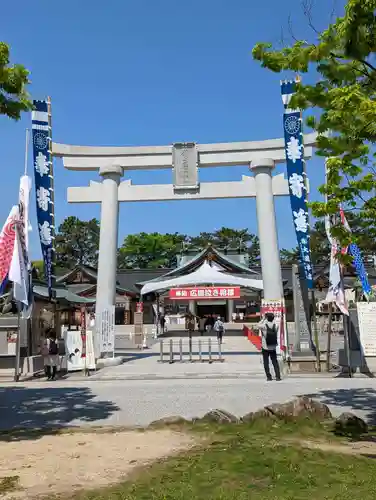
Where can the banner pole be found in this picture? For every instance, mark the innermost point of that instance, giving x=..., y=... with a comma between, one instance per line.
x=313, y=298
x=18, y=346
x=27, y=141
x=53, y=232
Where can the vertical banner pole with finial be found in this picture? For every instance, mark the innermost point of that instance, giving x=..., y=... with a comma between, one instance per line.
x=313, y=298
x=44, y=186
x=52, y=190
x=298, y=187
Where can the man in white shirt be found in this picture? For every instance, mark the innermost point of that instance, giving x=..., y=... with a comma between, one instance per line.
x=269, y=340
x=219, y=328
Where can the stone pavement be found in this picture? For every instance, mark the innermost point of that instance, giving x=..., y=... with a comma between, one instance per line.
x=73, y=403
x=240, y=359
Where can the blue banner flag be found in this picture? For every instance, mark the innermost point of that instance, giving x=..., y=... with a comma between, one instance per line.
x=359, y=268
x=294, y=148
x=43, y=174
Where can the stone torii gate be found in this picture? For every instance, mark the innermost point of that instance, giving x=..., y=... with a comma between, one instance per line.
x=184, y=159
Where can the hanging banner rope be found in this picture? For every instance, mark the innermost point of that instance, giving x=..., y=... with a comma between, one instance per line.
x=43, y=174
x=294, y=147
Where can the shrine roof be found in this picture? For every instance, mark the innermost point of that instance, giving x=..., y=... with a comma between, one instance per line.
x=210, y=254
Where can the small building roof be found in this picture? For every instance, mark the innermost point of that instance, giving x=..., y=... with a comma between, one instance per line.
x=83, y=279
x=62, y=294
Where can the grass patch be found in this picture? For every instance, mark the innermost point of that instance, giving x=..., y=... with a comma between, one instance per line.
x=242, y=462
x=9, y=483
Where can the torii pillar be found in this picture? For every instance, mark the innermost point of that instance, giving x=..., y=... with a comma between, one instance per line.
x=267, y=229
x=108, y=239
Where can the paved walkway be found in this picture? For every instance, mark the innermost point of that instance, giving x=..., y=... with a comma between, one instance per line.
x=67, y=403
x=239, y=359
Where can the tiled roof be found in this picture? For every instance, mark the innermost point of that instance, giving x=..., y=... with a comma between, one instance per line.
x=90, y=271
x=62, y=294
x=129, y=278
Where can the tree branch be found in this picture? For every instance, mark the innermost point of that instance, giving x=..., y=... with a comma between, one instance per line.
x=307, y=11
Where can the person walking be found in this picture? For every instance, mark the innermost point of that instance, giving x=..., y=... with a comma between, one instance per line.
x=50, y=353
x=269, y=342
x=219, y=329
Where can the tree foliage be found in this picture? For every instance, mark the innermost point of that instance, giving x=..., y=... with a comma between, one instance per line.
x=156, y=250
x=37, y=269
x=150, y=250
x=344, y=94
x=77, y=242
x=14, y=98
x=227, y=238
x=363, y=230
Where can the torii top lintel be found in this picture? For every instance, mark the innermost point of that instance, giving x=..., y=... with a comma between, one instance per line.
x=86, y=158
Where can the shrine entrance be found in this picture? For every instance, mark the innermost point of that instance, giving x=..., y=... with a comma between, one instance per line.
x=215, y=308
x=185, y=161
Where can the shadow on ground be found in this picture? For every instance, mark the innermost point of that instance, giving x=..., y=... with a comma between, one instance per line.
x=352, y=400
x=46, y=410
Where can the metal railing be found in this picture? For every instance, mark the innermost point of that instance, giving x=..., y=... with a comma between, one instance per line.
x=195, y=350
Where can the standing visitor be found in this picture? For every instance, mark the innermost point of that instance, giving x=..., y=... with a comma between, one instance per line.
x=162, y=322
x=210, y=323
x=50, y=353
x=191, y=324
x=207, y=324
x=219, y=328
x=202, y=325
x=269, y=341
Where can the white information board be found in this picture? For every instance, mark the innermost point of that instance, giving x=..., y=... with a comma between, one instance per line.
x=105, y=322
x=74, y=351
x=367, y=327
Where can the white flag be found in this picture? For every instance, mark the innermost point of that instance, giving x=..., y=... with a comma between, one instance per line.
x=336, y=292
x=24, y=198
x=18, y=272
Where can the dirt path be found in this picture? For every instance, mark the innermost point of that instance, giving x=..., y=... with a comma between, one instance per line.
x=366, y=448
x=69, y=462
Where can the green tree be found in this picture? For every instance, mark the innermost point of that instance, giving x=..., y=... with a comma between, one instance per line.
x=201, y=241
x=150, y=250
x=228, y=238
x=13, y=80
x=320, y=247
x=363, y=230
x=38, y=269
x=77, y=242
x=343, y=92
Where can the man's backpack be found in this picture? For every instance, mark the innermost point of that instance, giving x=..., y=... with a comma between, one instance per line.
x=271, y=335
x=53, y=349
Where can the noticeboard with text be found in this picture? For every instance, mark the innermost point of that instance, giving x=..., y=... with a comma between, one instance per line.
x=207, y=292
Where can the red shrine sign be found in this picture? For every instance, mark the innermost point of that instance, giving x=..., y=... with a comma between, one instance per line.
x=207, y=292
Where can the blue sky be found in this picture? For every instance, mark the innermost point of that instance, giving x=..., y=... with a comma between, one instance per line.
x=148, y=72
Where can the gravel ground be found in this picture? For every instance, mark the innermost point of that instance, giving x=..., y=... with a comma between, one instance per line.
x=82, y=460
x=124, y=402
